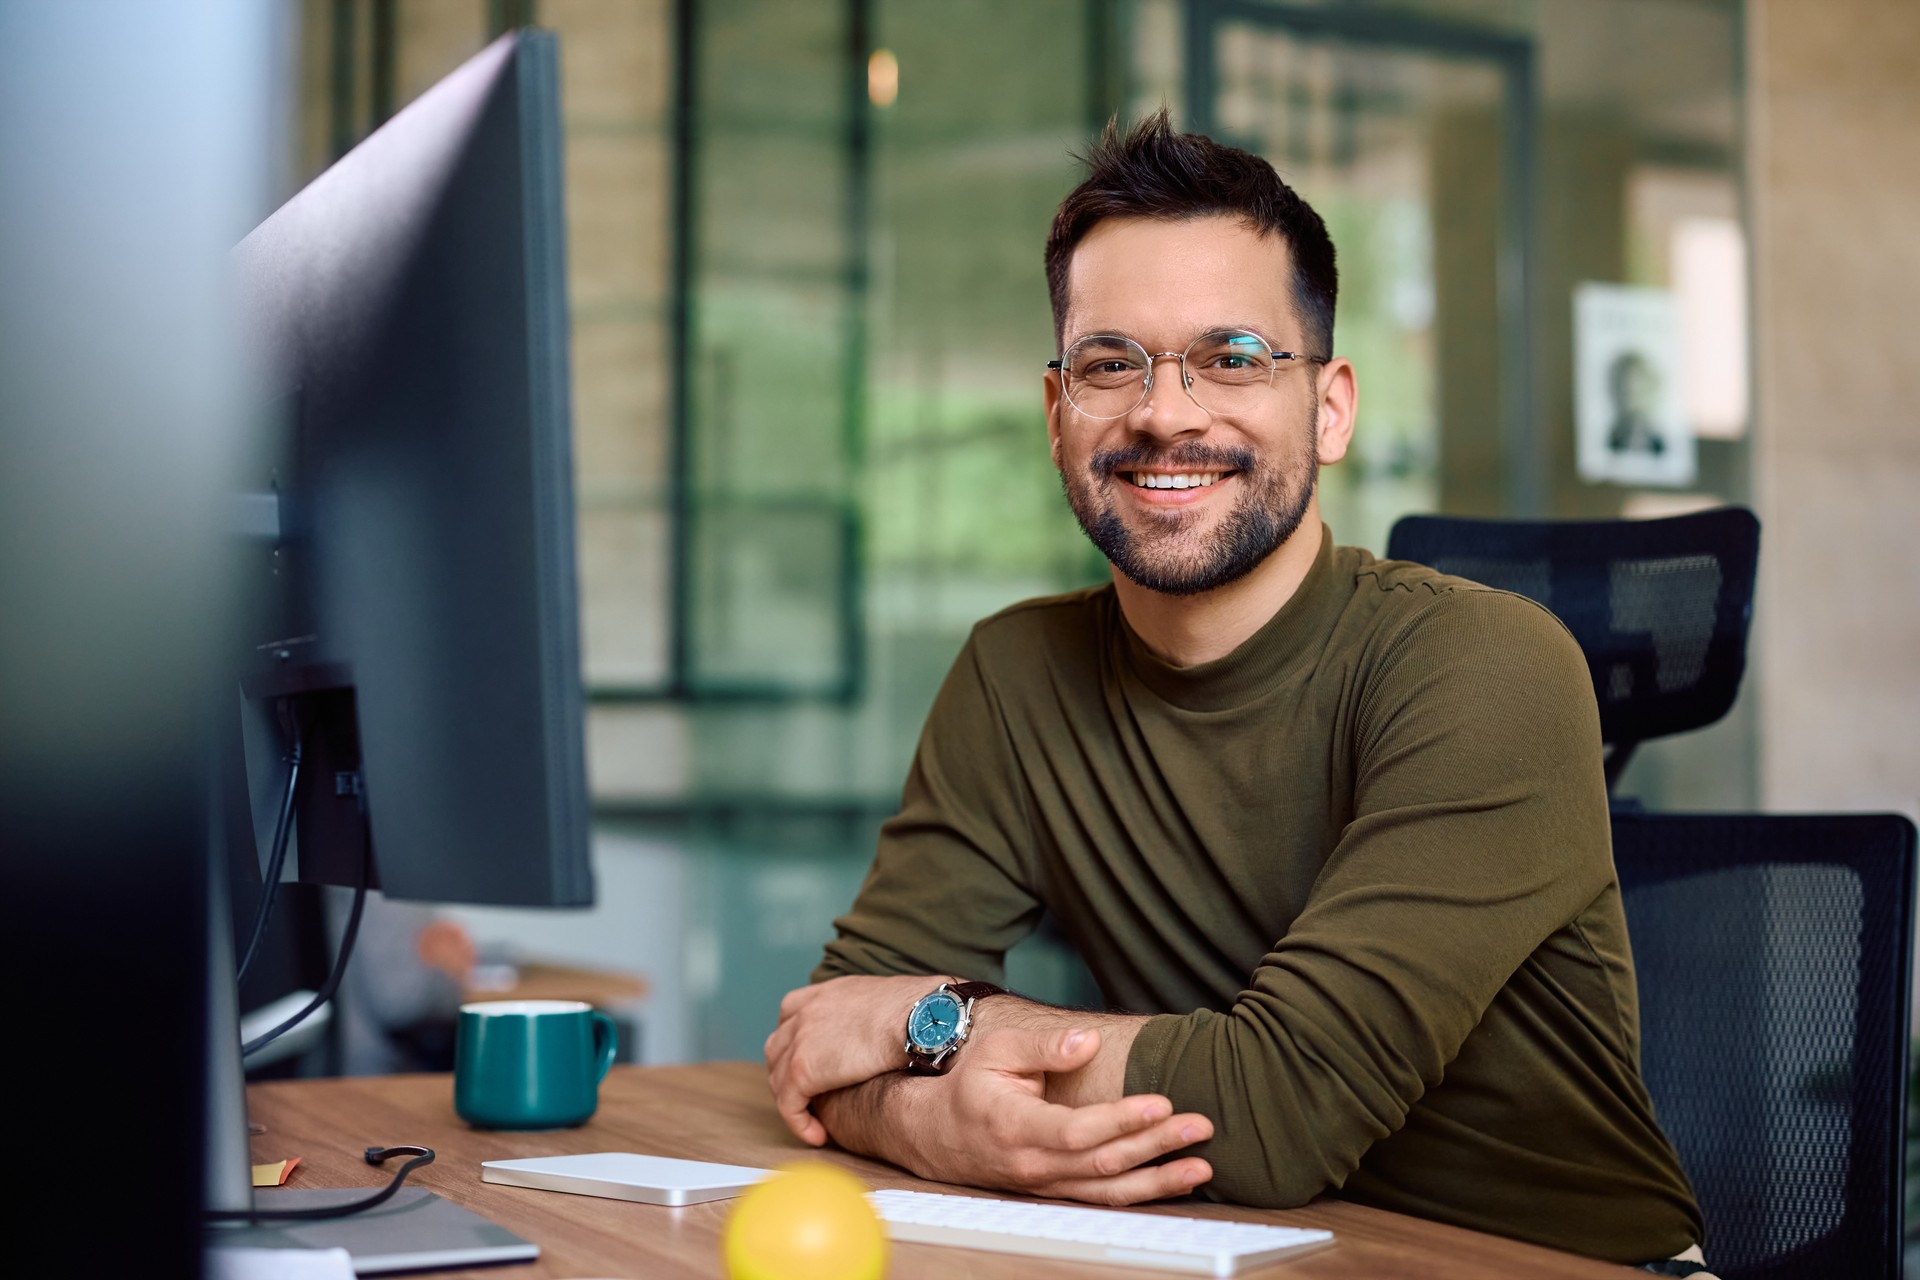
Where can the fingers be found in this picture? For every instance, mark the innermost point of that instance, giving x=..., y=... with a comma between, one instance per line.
x=1131, y=1150
x=1142, y=1125
x=792, y=1098
x=1087, y=1127
x=1101, y=1146
x=794, y=1114
x=802, y=1064
x=1136, y=1186
x=775, y=1047
x=789, y=1098
x=1127, y=1151
x=1057, y=1127
x=792, y=1093
x=781, y=1042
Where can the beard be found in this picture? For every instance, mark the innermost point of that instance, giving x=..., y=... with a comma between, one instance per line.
x=1173, y=554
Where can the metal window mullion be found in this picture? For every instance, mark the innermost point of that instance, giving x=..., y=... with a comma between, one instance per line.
x=859, y=196
x=1518, y=284
x=684, y=247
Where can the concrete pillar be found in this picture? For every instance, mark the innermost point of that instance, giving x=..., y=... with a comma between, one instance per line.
x=1834, y=173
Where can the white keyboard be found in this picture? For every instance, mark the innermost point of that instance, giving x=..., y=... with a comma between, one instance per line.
x=1197, y=1245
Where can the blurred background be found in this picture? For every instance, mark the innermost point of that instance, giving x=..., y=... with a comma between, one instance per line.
x=776, y=575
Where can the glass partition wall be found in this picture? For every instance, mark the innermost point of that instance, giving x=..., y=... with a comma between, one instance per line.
x=810, y=322
x=1378, y=121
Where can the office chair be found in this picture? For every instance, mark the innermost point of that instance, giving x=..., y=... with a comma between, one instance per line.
x=1660, y=607
x=1774, y=954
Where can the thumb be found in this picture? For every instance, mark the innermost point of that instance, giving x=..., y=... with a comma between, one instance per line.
x=1069, y=1050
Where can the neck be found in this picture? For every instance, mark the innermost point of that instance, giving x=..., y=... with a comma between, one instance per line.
x=1189, y=630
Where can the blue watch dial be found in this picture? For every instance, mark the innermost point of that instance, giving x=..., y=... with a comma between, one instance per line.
x=935, y=1020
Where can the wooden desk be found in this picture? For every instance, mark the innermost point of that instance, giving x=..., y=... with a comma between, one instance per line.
x=722, y=1112
x=535, y=980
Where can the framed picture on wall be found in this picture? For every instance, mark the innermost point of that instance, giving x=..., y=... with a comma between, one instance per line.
x=1630, y=417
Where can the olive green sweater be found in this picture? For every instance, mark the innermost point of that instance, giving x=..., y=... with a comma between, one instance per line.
x=1360, y=866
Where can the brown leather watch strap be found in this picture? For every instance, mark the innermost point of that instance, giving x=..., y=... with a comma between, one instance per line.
x=975, y=990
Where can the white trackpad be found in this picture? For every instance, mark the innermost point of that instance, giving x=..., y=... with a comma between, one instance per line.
x=625, y=1175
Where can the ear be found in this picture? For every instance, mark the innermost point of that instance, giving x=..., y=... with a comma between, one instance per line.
x=1051, y=398
x=1339, y=393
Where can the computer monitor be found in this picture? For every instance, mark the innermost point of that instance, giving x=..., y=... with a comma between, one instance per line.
x=409, y=590
x=410, y=626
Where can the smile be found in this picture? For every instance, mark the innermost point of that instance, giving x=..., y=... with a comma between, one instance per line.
x=1177, y=480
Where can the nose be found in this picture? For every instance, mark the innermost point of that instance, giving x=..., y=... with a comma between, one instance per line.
x=1168, y=411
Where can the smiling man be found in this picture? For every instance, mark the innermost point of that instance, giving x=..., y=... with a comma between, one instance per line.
x=1333, y=830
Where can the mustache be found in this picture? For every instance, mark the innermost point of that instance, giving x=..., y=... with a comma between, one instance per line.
x=1191, y=456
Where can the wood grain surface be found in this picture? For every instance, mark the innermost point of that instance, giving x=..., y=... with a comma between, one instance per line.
x=536, y=980
x=722, y=1112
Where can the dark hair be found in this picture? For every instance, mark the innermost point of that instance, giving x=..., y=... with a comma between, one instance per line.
x=1153, y=172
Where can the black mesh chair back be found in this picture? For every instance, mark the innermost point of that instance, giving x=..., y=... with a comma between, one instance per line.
x=1773, y=954
x=1660, y=607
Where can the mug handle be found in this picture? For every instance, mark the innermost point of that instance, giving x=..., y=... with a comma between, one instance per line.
x=606, y=1042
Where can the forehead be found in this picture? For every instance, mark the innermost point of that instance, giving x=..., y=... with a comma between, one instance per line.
x=1165, y=281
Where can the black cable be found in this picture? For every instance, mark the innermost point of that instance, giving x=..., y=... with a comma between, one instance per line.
x=282, y=830
x=421, y=1156
x=332, y=983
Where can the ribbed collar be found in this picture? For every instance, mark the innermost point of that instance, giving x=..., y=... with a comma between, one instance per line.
x=1295, y=633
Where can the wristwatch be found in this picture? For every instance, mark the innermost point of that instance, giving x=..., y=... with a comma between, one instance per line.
x=940, y=1021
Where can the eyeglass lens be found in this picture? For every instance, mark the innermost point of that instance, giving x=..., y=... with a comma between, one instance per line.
x=1106, y=376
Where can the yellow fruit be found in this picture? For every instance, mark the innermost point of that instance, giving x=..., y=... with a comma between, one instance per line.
x=808, y=1221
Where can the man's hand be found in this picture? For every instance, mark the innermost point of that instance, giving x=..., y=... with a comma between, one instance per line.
x=988, y=1123
x=834, y=1034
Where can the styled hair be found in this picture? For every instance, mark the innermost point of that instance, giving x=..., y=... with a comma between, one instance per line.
x=1153, y=172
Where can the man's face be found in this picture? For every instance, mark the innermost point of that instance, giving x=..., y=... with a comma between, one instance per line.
x=1639, y=387
x=1163, y=284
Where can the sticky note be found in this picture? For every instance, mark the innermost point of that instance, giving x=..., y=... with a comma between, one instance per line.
x=275, y=1174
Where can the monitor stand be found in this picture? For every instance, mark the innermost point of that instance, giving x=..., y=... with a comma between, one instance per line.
x=229, y=1167
x=415, y=1230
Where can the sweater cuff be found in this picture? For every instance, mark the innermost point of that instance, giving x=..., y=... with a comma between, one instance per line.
x=1146, y=1059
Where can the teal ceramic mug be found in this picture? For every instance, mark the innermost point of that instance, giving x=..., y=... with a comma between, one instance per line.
x=530, y=1064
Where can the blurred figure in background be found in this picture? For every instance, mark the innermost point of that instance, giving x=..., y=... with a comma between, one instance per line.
x=400, y=997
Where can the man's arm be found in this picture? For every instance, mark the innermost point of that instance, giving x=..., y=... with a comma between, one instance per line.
x=988, y=1123
x=845, y=1031
x=952, y=885
x=1479, y=830
x=949, y=892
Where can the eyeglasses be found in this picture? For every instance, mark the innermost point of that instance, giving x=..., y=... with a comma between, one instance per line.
x=1224, y=371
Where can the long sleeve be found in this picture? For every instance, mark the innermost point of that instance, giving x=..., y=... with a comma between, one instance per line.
x=1479, y=830
x=950, y=889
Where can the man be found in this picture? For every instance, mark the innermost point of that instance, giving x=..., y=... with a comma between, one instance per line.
x=1336, y=826
x=1634, y=385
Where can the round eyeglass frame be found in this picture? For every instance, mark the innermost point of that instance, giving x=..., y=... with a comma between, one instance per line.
x=1059, y=365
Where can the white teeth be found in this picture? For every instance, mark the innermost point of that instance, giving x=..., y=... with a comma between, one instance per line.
x=1191, y=480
